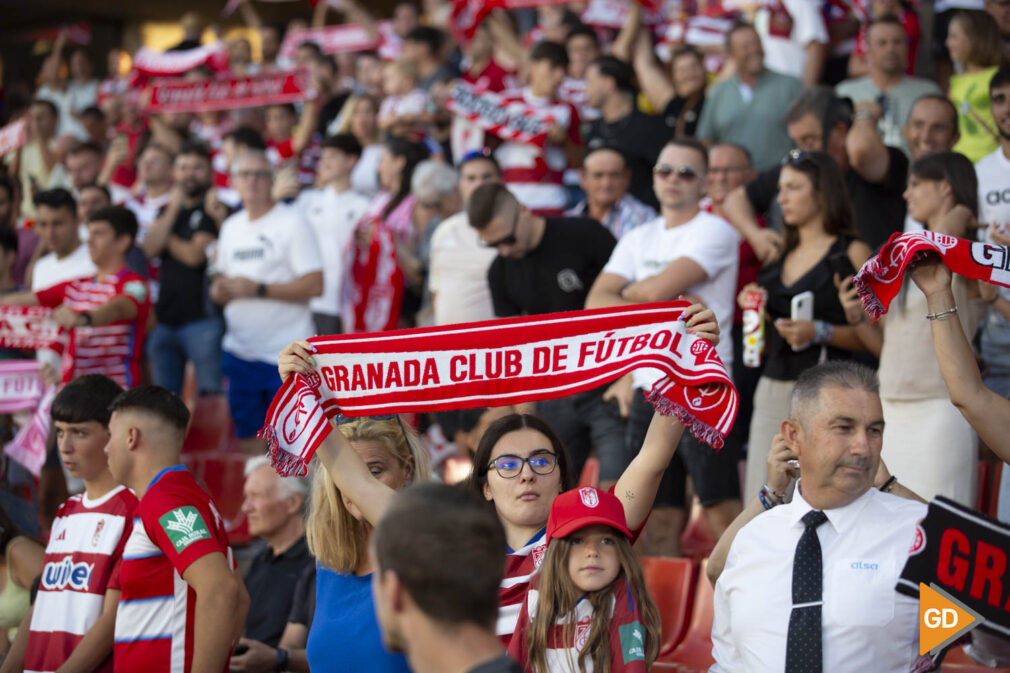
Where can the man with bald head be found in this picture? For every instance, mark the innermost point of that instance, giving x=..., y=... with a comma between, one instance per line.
x=809, y=586
x=182, y=605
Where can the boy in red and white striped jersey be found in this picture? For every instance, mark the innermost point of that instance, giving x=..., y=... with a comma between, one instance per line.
x=107, y=312
x=72, y=621
x=533, y=173
x=182, y=606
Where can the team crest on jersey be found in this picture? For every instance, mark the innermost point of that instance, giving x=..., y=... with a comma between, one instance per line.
x=184, y=526
x=589, y=497
x=136, y=289
x=98, y=533
x=582, y=634
x=538, y=555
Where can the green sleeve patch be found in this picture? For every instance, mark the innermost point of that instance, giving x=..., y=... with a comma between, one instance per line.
x=184, y=526
x=632, y=642
x=136, y=289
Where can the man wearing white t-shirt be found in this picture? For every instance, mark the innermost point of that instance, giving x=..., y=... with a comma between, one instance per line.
x=458, y=263
x=68, y=259
x=684, y=251
x=332, y=211
x=267, y=268
x=794, y=36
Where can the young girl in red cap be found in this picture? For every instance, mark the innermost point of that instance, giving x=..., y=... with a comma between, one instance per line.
x=589, y=610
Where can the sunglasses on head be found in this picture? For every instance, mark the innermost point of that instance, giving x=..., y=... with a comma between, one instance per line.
x=686, y=173
x=510, y=239
x=795, y=157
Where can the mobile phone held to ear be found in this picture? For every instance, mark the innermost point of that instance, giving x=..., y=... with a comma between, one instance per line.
x=841, y=264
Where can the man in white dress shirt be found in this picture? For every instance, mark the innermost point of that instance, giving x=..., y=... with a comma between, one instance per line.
x=862, y=537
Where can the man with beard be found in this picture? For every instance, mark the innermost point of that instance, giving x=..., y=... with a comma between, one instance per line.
x=189, y=325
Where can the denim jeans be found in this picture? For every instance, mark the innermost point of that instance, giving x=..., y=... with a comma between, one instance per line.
x=169, y=347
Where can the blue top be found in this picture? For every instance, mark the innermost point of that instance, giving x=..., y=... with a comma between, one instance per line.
x=345, y=632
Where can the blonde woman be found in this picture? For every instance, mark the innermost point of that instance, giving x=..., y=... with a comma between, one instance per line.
x=360, y=118
x=386, y=455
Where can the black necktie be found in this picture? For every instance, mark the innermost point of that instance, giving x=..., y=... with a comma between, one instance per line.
x=803, y=645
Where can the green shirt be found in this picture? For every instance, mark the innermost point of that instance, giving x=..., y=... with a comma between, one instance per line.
x=969, y=91
x=756, y=124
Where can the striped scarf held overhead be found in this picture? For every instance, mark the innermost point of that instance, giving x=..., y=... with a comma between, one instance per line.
x=880, y=278
x=499, y=362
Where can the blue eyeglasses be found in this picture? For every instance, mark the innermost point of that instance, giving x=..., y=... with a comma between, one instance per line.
x=509, y=467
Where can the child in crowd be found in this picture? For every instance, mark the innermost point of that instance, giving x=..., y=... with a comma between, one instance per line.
x=589, y=611
x=405, y=109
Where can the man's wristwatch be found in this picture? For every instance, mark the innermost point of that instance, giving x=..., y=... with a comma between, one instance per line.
x=282, y=660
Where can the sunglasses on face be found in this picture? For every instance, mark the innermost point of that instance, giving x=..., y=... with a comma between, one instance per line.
x=509, y=467
x=686, y=173
x=510, y=239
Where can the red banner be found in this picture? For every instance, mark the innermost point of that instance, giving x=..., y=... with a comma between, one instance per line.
x=232, y=93
x=12, y=136
x=348, y=37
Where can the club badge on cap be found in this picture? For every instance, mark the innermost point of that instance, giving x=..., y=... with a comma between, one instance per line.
x=581, y=507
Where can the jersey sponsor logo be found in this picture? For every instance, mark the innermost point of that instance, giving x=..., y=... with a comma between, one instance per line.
x=58, y=575
x=251, y=253
x=136, y=289
x=184, y=526
x=632, y=641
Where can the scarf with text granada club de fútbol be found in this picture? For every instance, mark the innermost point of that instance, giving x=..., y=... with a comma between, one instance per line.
x=499, y=362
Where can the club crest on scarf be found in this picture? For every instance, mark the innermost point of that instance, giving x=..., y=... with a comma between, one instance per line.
x=306, y=401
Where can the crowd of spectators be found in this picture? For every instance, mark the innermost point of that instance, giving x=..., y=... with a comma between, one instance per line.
x=711, y=153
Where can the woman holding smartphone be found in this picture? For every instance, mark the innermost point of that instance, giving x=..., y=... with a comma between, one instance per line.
x=927, y=443
x=818, y=227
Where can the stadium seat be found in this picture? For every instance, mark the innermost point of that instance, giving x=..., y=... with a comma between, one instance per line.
x=671, y=583
x=697, y=541
x=957, y=661
x=694, y=653
x=590, y=473
x=211, y=427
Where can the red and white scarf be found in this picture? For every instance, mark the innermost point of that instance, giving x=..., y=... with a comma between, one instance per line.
x=30, y=328
x=12, y=136
x=515, y=120
x=499, y=362
x=22, y=389
x=348, y=37
x=373, y=284
x=178, y=94
x=880, y=278
x=151, y=63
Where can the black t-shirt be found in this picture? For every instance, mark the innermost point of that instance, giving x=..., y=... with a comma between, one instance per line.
x=879, y=208
x=271, y=582
x=303, y=604
x=684, y=112
x=557, y=274
x=182, y=295
x=502, y=664
x=640, y=137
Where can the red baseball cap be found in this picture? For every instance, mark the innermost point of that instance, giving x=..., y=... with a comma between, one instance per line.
x=583, y=507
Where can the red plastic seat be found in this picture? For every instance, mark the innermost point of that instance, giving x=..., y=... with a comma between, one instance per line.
x=671, y=584
x=211, y=427
x=694, y=654
x=590, y=473
x=957, y=661
x=697, y=541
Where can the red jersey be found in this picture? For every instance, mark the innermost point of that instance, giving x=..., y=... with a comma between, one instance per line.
x=521, y=566
x=534, y=174
x=492, y=78
x=176, y=523
x=114, y=350
x=627, y=635
x=82, y=561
